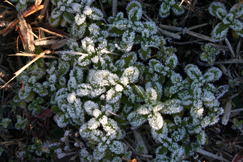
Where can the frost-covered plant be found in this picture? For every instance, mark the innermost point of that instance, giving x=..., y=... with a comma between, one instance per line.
x=133, y=31
x=166, y=5
x=237, y=124
x=209, y=53
x=20, y=122
x=74, y=12
x=120, y=76
x=229, y=20
x=37, y=147
x=5, y=122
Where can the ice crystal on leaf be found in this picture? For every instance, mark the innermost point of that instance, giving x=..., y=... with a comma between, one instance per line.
x=229, y=20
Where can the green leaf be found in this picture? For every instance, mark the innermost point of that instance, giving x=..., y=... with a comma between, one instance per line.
x=177, y=10
x=144, y=53
x=217, y=9
x=63, y=68
x=220, y=31
x=212, y=74
x=69, y=17
x=164, y=10
x=134, y=11
x=171, y=61
x=237, y=11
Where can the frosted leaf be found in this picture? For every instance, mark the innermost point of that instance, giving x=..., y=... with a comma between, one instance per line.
x=87, y=10
x=155, y=120
x=80, y=19
x=151, y=27
x=228, y=19
x=217, y=9
x=102, y=147
x=221, y=90
x=93, y=124
x=98, y=155
x=236, y=25
x=176, y=78
x=59, y=119
x=94, y=29
x=90, y=106
x=97, y=91
x=219, y=32
x=72, y=84
x=78, y=31
x=171, y=61
x=76, y=7
x=113, y=96
x=130, y=75
x=150, y=95
x=118, y=88
x=71, y=97
x=102, y=78
x=61, y=93
x=136, y=120
x=117, y=147
x=52, y=79
x=172, y=106
x=177, y=10
x=237, y=11
x=212, y=74
x=134, y=11
x=179, y=134
x=202, y=138
x=164, y=10
x=197, y=112
x=84, y=89
x=128, y=37
x=96, y=14
x=193, y=71
x=143, y=110
x=103, y=120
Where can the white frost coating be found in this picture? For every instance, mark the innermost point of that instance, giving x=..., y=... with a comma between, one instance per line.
x=83, y=61
x=84, y=89
x=213, y=74
x=236, y=25
x=218, y=36
x=112, y=96
x=131, y=73
x=102, y=78
x=71, y=97
x=172, y=60
x=103, y=120
x=118, y=88
x=87, y=10
x=79, y=19
x=228, y=19
x=93, y=123
x=143, y=110
x=117, y=147
x=96, y=14
x=76, y=7
x=155, y=120
x=90, y=106
x=164, y=10
x=193, y=71
x=94, y=29
x=152, y=94
x=96, y=113
x=220, y=6
x=52, y=78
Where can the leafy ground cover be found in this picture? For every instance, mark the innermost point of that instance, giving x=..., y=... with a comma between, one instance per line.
x=202, y=33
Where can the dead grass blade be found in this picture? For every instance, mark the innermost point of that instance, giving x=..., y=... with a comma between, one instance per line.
x=30, y=55
x=27, y=34
x=26, y=66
